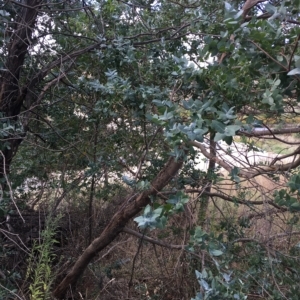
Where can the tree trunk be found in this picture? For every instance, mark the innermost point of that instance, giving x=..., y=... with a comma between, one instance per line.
x=11, y=93
x=132, y=205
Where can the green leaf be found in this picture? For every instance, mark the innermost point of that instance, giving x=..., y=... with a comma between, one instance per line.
x=239, y=14
x=295, y=206
x=216, y=252
x=270, y=8
x=178, y=201
x=295, y=71
x=151, y=218
x=157, y=102
x=218, y=126
x=219, y=136
x=166, y=116
x=294, y=183
x=234, y=174
x=228, y=140
x=228, y=6
x=231, y=130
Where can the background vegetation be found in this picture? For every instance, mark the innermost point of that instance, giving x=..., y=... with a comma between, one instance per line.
x=149, y=149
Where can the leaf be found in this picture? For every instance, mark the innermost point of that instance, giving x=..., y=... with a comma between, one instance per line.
x=228, y=140
x=111, y=73
x=234, y=174
x=231, y=130
x=294, y=183
x=204, y=284
x=188, y=104
x=237, y=15
x=270, y=8
x=228, y=6
x=295, y=206
x=219, y=136
x=166, y=116
x=228, y=114
x=178, y=201
x=151, y=218
x=294, y=72
x=218, y=126
x=226, y=277
x=277, y=82
x=208, y=105
x=157, y=102
x=178, y=197
x=129, y=181
x=216, y=252
x=199, y=134
x=199, y=274
x=4, y=13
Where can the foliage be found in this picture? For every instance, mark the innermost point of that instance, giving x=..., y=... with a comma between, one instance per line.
x=39, y=267
x=97, y=97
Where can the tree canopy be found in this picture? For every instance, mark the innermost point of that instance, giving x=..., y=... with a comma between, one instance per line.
x=176, y=108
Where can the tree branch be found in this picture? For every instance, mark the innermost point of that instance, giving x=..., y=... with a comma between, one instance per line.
x=153, y=241
x=248, y=5
x=234, y=200
x=132, y=205
x=252, y=171
x=264, y=132
x=160, y=243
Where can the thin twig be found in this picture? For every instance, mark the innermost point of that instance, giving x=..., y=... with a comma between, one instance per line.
x=9, y=187
x=11, y=292
x=135, y=258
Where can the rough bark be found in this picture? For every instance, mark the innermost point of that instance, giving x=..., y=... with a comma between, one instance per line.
x=132, y=205
x=11, y=95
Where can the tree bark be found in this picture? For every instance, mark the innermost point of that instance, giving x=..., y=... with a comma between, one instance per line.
x=132, y=205
x=11, y=95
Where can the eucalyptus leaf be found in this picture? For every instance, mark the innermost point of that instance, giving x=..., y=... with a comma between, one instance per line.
x=295, y=71
x=216, y=252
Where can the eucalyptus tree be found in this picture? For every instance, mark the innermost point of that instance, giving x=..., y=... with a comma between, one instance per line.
x=143, y=88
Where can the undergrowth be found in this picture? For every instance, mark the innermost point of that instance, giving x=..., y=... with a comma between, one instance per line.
x=40, y=262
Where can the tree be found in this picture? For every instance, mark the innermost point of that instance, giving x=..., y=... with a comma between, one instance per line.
x=148, y=84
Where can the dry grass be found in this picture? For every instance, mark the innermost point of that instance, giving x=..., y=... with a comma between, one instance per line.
x=129, y=269
x=135, y=269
